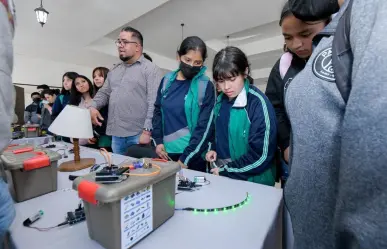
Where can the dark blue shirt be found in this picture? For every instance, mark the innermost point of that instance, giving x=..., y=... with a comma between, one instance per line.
x=173, y=106
x=222, y=121
x=174, y=117
x=59, y=104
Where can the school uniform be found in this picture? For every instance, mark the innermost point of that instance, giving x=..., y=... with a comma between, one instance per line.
x=60, y=103
x=245, y=133
x=337, y=189
x=183, y=116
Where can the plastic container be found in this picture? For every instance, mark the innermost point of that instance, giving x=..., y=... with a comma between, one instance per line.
x=33, y=170
x=120, y=215
x=31, y=130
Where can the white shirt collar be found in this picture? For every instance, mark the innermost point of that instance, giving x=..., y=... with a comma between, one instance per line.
x=241, y=100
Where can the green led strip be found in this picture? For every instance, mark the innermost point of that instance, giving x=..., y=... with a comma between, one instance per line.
x=216, y=210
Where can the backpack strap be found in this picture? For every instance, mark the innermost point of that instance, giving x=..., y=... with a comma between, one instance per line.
x=285, y=63
x=202, y=87
x=166, y=83
x=342, y=56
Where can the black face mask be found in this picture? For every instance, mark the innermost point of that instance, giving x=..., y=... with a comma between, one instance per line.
x=189, y=71
x=313, y=10
x=36, y=100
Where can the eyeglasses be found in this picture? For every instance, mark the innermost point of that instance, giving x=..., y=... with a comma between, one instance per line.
x=123, y=42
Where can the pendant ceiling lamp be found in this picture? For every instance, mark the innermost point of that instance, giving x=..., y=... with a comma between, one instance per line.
x=41, y=14
x=182, y=31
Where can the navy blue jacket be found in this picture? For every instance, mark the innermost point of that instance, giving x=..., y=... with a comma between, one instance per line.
x=175, y=117
x=256, y=147
x=59, y=105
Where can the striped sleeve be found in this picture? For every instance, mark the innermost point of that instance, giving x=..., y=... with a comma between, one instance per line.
x=262, y=141
x=202, y=131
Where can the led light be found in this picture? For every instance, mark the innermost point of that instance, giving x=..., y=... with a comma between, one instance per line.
x=222, y=209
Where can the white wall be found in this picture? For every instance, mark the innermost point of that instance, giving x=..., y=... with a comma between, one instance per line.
x=261, y=87
x=36, y=71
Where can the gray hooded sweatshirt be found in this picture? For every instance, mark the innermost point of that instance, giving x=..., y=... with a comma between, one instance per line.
x=7, y=97
x=337, y=190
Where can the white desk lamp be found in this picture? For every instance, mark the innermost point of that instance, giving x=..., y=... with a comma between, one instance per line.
x=75, y=123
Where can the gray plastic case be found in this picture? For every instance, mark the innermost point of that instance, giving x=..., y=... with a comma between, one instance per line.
x=32, y=183
x=105, y=220
x=31, y=130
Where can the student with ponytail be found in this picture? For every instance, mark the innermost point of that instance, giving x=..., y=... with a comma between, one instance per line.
x=244, y=130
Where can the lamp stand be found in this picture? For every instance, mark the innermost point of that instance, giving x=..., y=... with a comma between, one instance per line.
x=77, y=163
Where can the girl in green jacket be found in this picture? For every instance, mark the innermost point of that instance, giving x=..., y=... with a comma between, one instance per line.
x=244, y=128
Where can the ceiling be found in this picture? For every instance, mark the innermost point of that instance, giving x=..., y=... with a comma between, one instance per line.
x=83, y=32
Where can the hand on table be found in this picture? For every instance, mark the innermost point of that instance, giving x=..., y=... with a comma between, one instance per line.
x=215, y=171
x=96, y=116
x=160, y=151
x=211, y=156
x=183, y=165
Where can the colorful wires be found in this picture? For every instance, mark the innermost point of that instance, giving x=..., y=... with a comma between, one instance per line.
x=107, y=156
x=145, y=174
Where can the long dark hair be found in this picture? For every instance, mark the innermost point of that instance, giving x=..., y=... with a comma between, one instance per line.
x=287, y=12
x=71, y=76
x=230, y=62
x=75, y=97
x=104, y=72
x=193, y=43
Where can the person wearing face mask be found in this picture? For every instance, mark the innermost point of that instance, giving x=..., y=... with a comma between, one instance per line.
x=46, y=120
x=130, y=90
x=183, y=108
x=298, y=48
x=33, y=111
x=337, y=189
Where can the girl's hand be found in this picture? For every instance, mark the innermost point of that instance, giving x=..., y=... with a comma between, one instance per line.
x=211, y=156
x=215, y=171
x=160, y=151
x=182, y=165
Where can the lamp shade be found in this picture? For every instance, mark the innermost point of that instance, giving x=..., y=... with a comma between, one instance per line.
x=73, y=122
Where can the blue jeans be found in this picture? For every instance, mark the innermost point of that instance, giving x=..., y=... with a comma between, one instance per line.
x=120, y=145
x=7, y=210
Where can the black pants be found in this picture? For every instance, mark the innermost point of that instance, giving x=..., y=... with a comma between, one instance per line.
x=196, y=163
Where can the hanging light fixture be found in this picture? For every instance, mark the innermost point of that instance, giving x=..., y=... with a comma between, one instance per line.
x=41, y=14
x=182, y=31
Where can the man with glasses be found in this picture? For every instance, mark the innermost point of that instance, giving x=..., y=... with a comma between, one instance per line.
x=130, y=90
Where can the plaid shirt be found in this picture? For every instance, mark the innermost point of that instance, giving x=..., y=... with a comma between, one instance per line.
x=130, y=91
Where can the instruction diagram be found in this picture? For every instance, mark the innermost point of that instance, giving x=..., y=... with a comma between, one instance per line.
x=136, y=217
